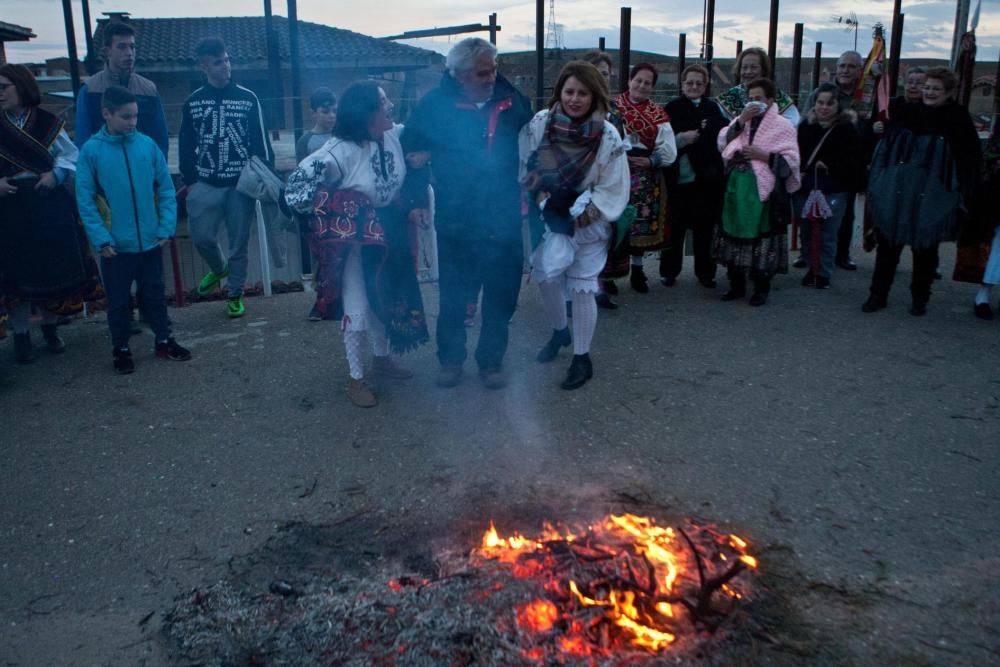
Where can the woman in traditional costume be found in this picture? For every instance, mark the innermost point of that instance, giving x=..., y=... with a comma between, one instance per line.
x=922, y=179
x=651, y=148
x=761, y=153
x=752, y=64
x=45, y=261
x=574, y=167
x=350, y=192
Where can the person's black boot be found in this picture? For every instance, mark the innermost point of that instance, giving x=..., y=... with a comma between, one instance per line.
x=761, y=288
x=580, y=370
x=737, y=286
x=874, y=303
x=560, y=338
x=604, y=301
x=23, y=353
x=53, y=342
x=637, y=279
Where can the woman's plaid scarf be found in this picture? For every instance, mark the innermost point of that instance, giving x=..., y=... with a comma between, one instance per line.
x=567, y=151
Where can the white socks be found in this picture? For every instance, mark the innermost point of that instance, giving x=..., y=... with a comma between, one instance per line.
x=584, y=321
x=554, y=300
x=983, y=295
x=354, y=343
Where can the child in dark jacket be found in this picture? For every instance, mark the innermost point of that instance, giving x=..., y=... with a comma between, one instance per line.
x=124, y=172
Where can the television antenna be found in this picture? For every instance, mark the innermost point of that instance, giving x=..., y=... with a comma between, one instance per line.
x=850, y=22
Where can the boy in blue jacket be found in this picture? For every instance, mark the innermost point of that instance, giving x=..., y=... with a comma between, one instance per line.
x=126, y=171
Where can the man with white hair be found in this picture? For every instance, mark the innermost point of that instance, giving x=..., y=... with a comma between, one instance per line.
x=468, y=129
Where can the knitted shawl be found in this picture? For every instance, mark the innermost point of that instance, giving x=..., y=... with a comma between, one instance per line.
x=775, y=135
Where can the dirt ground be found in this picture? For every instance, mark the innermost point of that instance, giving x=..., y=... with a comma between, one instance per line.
x=857, y=453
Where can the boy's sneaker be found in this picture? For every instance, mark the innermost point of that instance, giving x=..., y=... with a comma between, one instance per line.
x=315, y=315
x=123, y=361
x=235, y=307
x=169, y=349
x=211, y=279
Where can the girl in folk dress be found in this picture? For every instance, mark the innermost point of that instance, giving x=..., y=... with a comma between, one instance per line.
x=574, y=167
x=349, y=189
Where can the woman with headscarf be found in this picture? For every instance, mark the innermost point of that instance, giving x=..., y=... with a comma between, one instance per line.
x=922, y=179
x=752, y=64
x=349, y=190
x=652, y=148
x=761, y=153
x=574, y=168
x=45, y=262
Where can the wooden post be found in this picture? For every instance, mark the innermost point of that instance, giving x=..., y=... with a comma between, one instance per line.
x=895, y=32
x=274, y=105
x=709, y=46
x=796, y=63
x=293, y=47
x=996, y=94
x=74, y=70
x=816, y=64
x=600, y=43
x=539, y=54
x=493, y=29
x=895, y=50
x=772, y=38
x=90, y=61
x=681, y=60
x=625, y=48
x=739, y=47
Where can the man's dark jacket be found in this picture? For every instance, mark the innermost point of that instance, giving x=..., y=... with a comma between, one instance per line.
x=474, y=158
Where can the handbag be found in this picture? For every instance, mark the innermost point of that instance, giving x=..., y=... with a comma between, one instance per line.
x=257, y=181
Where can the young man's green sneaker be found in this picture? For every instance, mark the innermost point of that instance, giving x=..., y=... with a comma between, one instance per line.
x=211, y=279
x=235, y=307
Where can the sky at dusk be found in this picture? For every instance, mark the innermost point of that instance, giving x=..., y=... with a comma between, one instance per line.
x=655, y=24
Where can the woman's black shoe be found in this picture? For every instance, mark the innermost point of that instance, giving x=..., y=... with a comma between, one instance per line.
x=918, y=308
x=560, y=338
x=637, y=278
x=734, y=293
x=604, y=301
x=53, y=342
x=23, y=353
x=983, y=311
x=580, y=370
x=609, y=287
x=758, y=298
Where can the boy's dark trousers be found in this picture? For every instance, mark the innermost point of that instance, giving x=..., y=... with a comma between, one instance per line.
x=146, y=268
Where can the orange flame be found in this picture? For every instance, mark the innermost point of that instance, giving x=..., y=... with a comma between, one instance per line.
x=650, y=623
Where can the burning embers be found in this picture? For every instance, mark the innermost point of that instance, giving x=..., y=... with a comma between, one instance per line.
x=625, y=591
x=622, y=585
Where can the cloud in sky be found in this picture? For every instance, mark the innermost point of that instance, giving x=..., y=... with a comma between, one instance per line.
x=655, y=24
